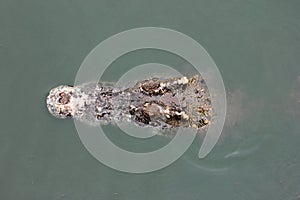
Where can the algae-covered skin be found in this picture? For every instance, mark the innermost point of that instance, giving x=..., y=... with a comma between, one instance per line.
x=165, y=103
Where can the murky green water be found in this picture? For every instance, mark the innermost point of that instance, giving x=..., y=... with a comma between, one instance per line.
x=256, y=45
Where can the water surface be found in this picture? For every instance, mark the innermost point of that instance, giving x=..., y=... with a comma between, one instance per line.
x=255, y=44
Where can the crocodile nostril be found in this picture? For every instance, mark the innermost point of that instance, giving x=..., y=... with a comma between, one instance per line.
x=64, y=98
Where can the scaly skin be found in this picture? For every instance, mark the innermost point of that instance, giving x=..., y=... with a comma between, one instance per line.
x=165, y=103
